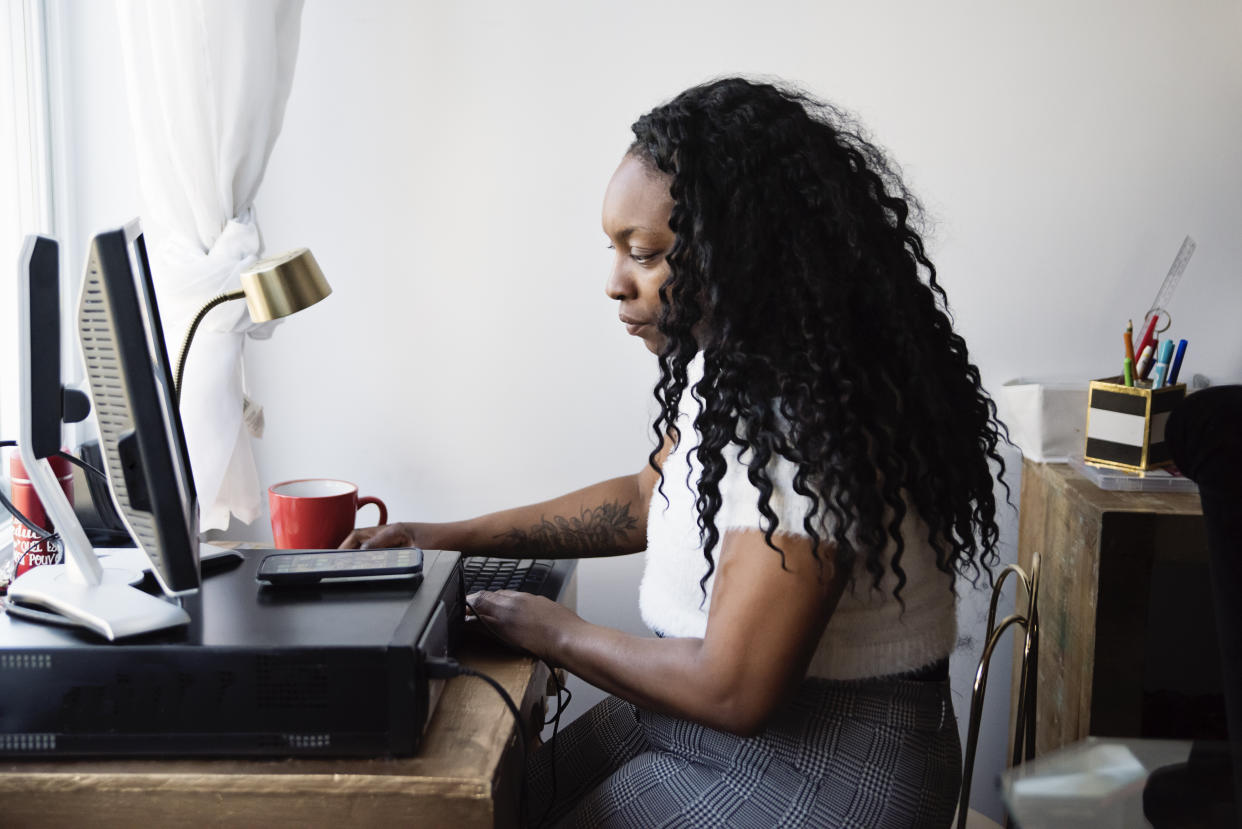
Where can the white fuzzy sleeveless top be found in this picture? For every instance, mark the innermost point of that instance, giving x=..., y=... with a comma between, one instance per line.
x=867, y=636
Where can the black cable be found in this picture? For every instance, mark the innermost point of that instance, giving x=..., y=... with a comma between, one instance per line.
x=16, y=513
x=49, y=537
x=22, y=519
x=556, y=718
x=43, y=534
x=84, y=466
x=76, y=461
x=513, y=709
x=8, y=505
x=561, y=705
x=446, y=668
x=26, y=522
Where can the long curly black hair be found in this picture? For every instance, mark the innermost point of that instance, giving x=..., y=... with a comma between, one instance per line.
x=828, y=340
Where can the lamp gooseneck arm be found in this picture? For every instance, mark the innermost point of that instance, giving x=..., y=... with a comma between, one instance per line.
x=189, y=336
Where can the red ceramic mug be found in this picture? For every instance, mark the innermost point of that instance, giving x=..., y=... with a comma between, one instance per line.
x=316, y=513
x=29, y=550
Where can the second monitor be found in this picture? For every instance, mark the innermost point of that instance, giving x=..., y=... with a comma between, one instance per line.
x=142, y=441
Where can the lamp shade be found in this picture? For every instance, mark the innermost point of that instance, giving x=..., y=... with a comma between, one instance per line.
x=282, y=285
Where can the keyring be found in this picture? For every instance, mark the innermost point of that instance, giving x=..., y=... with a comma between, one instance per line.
x=1159, y=312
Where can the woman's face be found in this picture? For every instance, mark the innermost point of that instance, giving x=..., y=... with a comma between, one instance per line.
x=637, y=206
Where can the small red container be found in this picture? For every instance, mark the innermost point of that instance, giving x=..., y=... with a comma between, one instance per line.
x=29, y=550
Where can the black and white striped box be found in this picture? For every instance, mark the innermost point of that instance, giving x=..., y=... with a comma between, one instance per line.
x=1125, y=424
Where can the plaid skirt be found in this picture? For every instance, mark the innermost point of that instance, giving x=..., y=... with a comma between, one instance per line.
x=871, y=753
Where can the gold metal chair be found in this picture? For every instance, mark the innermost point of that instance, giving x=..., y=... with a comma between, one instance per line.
x=1024, y=721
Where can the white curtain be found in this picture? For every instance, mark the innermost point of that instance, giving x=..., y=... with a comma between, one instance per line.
x=208, y=81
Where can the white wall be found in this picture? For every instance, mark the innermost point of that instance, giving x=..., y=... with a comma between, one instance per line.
x=446, y=161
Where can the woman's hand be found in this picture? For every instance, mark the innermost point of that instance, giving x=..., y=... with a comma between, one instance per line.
x=385, y=535
x=525, y=621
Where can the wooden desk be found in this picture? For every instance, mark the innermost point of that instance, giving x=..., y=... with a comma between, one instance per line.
x=1099, y=550
x=466, y=775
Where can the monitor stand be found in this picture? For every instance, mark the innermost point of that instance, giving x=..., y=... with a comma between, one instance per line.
x=81, y=589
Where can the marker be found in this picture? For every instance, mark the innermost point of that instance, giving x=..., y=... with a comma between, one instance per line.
x=1177, y=362
x=1148, y=336
x=1144, y=363
x=1161, y=369
x=1163, y=352
x=1128, y=371
x=1166, y=352
x=1128, y=339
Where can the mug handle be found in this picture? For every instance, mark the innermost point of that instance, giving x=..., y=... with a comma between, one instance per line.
x=362, y=502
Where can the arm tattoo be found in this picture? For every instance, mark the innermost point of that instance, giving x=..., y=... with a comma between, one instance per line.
x=595, y=531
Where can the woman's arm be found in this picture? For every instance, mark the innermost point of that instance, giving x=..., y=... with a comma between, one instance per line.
x=608, y=518
x=762, y=630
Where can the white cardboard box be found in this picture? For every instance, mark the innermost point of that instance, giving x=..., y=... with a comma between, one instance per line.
x=1046, y=418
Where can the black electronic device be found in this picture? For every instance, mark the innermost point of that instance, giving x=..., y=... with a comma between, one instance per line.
x=331, y=671
x=81, y=589
x=128, y=372
x=546, y=577
x=92, y=502
x=50, y=403
x=331, y=566
x=140, y=431
x=238, y=670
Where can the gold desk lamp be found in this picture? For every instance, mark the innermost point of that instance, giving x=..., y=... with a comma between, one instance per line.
x=274, y=287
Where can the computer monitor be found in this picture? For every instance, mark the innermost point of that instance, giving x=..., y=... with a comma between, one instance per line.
x=41, y=276
x=51, y=404
x=42, y=395
x=140, y=431
x=121, y=306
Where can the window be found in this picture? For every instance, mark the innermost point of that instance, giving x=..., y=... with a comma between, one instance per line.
x=25, y=160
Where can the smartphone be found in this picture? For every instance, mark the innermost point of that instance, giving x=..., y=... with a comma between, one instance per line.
x=312, y=566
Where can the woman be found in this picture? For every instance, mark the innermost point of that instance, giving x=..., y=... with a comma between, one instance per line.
x=821, y=475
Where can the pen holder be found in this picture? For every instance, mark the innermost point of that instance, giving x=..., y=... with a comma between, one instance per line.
x=1125, y=424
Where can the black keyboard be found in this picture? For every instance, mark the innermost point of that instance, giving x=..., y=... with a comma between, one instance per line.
x=541, y=576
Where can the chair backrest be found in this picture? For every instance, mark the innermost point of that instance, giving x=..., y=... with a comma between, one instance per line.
x=1204, y=434
x=1024, y=721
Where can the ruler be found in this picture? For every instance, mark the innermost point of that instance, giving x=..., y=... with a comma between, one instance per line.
x=1160, y=305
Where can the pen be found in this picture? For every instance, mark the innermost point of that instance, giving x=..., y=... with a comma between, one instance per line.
x=1144, y=362
x=1128, y=339
x=1166, y=352
x=1148, y=336
x=1177, y=362
x=1161, y=370
x=1128, y=371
